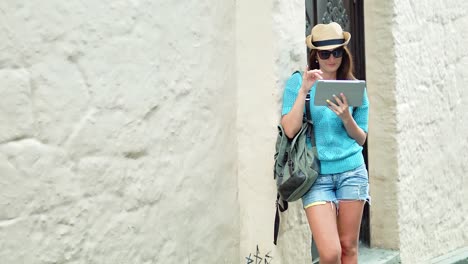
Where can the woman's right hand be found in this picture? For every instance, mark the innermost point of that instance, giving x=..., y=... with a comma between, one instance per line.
x=292, y=121
x=309, y=78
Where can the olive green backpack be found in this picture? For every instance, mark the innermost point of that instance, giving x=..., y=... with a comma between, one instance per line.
x=296, y=164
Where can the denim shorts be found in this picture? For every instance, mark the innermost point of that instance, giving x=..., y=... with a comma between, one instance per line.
x=349, y=185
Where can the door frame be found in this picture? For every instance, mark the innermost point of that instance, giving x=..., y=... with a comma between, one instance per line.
x=355, y=19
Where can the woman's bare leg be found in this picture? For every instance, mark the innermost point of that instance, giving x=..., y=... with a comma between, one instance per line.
x=322, y=222
x=349, y=223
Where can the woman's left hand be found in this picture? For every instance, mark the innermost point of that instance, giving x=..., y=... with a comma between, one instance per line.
x=341, y=108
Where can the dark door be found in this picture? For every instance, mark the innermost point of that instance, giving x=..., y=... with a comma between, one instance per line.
x=350, y=15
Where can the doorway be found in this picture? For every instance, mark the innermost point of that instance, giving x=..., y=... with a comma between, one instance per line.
x=350, y=15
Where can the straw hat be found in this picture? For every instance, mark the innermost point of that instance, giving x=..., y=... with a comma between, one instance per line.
x=327, y=37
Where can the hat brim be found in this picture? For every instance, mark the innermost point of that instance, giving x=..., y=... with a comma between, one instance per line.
x=346, y=35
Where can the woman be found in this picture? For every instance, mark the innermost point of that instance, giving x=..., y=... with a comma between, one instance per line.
x=335, y=203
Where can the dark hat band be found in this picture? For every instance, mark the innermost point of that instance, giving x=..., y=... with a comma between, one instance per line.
x=328, y=42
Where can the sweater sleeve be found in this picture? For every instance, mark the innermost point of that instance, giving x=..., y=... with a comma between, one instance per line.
x=361, y=113
x=290, y=92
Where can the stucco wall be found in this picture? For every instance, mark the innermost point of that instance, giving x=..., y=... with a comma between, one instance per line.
x=270, y=46
x=118, y=132
x=382, y=141
x=417, y=71
x=417, y=75
x=431, y=79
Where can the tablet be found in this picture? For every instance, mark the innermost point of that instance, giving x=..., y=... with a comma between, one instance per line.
x=352, y=89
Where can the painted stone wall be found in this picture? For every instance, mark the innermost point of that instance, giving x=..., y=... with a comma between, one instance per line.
x=431, y=69
x=270, y=46
x=118, y=132
x=417, y=75
x=382, y=142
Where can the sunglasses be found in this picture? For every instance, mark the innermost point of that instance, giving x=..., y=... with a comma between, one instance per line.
x=325, y=54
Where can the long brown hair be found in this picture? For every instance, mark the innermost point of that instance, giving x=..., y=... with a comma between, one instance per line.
x=344, y=72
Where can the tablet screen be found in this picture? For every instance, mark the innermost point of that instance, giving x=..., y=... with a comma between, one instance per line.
x=352, y=89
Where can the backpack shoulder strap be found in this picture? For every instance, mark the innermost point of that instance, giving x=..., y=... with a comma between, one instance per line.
x=279, y=208
x=308, y=119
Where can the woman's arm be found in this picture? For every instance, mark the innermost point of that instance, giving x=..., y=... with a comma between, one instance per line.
x=292, y=121
x=354, y=130
x=341, y=108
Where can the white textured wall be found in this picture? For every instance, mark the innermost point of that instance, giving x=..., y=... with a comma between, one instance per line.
x=382, y=141
x=118, y=132
x=432, y=102
x=270, y=46
x=417, y=72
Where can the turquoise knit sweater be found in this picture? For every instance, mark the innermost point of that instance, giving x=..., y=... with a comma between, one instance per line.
x=337, y=151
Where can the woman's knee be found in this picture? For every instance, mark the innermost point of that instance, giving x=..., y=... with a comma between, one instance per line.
x=330, y=255
x=349, y=247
